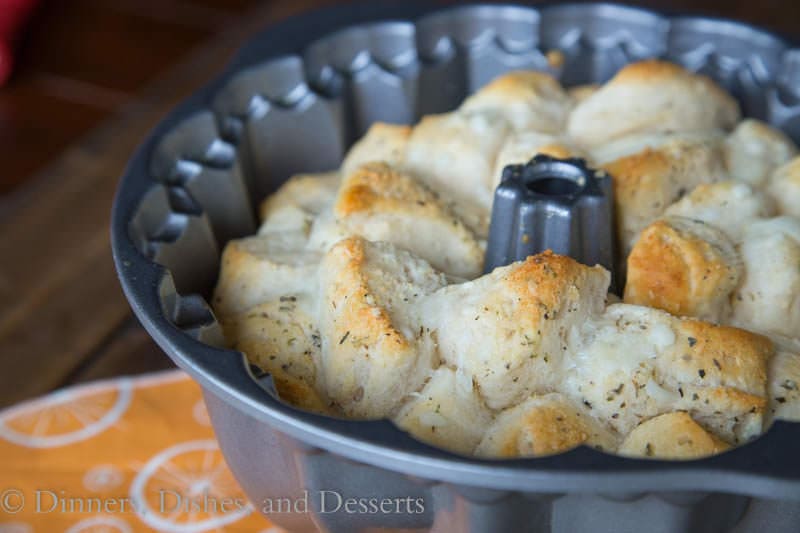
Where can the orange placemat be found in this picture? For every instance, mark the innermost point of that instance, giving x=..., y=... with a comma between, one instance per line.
x=118, y=456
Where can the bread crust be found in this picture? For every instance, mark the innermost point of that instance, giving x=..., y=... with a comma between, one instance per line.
x=543, y=425
x=454, y=154
x=281, y=338
x=684, y=267
x=634, y=363
x=784, y=387
x=720, y=356
x=311, y=193
x=671, y=436
x=754, y=150
x=648, y=182
x=382, y=204
x=263, y=268
x=528, y=100
x=383, y=142
x=784, y=187
x=768, y=299
x=372, y=354
x=730, y=206
x=508, y=329
x=652, y=96
x=448, y=412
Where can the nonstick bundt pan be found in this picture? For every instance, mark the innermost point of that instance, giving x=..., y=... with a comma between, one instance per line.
x=293, y=100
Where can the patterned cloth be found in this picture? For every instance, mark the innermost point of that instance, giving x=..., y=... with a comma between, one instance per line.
x=118, y=456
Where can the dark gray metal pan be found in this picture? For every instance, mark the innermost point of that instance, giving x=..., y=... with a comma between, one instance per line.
x=293, y=100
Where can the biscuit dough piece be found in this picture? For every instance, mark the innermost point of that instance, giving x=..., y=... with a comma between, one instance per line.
x=543, y=425
x=685, y=267
x=448, y=412
x=647, y=182
x=755, y=149
x=720, y=373
x=380, y=203
x=454, y=154
x=605, y=153
x=729, y=206
x=374, y=349
x=263, y=268
x=281, y=338
x=382, y=142
x=784, y=187
x=507, y=330
x=768, y=299
x=308, y=194
x=528, y=100
x=635, y=363
x=652, y=96
x=609, y=367
x=784, y=386
x=671, y=436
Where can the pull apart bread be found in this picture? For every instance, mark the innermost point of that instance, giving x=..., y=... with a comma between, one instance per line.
x=362, y=293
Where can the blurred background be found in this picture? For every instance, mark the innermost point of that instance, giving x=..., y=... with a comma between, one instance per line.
x=89, y=79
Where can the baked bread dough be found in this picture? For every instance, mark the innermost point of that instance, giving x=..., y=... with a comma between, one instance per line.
x=362, y=293
x=281, y=338
x=543, y=425
x=647, y=182
x=671, y=436
x=263, y=268
x=448, y=412
x=374, y=350
x=729, y=206
x=768, y=300
x=754, y=149
x=454, y=154
x=381, y=204
x=652, y=96
x=507, y=330
x=684, y=266
x=784, y=187
x=634, y=362
x=784, y=386
x=384, y=143
x=527, y=100
x=307, y=194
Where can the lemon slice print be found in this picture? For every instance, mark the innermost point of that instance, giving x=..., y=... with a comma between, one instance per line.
x=103, y=478
x=200, y=413
x=188, y=488
x=66, y=417
x=101, y=524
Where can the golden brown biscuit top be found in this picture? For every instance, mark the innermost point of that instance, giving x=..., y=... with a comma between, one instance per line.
x=671, y=436
x=684, y=267
x=543, y=281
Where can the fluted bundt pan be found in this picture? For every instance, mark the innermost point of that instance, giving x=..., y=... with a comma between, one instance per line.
x=293, y=100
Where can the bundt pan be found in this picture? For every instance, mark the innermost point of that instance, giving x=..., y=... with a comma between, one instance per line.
x=293, y=100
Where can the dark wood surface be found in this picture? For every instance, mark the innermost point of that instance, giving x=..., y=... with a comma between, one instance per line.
x=93, y=77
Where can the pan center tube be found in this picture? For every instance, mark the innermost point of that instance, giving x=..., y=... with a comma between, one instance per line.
x=552, y=204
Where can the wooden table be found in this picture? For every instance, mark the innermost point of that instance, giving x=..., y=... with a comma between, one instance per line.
x=95, y=76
